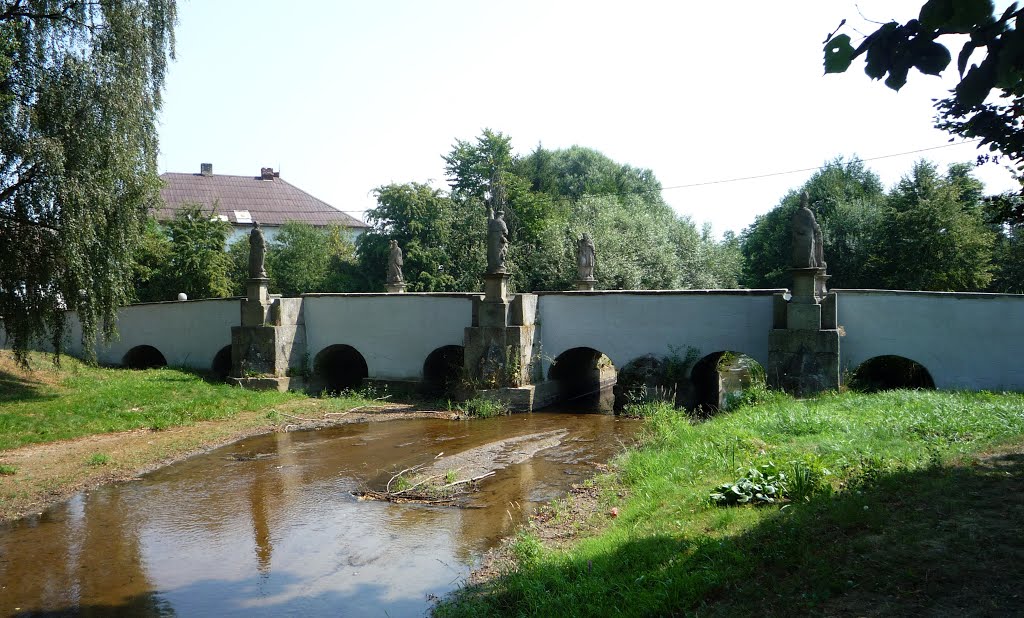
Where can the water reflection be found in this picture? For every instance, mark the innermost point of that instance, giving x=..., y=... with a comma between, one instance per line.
x=267, y=526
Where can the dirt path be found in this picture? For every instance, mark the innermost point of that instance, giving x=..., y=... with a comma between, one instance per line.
x=52, y=472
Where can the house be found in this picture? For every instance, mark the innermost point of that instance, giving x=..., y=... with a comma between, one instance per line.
x=240, y=200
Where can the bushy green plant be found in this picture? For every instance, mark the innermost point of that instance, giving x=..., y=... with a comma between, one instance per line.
x=765, y=484
x=480, y=407
x=7, y=470
x=99, y=459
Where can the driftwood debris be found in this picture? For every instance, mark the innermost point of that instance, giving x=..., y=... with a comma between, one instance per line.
x=426, y=492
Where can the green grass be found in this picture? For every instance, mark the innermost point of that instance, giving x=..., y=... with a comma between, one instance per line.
x=480, y=407
x=77, y=400
x=891, y=512
x=99, y=459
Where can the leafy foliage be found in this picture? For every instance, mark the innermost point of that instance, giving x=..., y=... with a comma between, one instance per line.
x=970, y=111
x=934, y=223
x=302, y=258
x=550, y=198
x=80, y=88
x=931, y=221
x=846, y=197
x=765, y=484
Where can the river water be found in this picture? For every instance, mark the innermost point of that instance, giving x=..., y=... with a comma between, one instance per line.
x=268, y=527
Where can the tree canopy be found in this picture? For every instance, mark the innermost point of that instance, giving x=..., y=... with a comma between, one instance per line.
x=550, y=197
x=80, y=86
x=990, y=62
x=929, y=232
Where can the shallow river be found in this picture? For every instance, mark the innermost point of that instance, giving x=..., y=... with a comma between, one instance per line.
x=227, y=534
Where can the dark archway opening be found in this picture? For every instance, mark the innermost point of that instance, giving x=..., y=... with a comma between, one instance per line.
x=889, y=372
x=442, y=369
x=143, y=357
x=585, y=378
x=221, y=367
x=720, y=379
x=339, y=368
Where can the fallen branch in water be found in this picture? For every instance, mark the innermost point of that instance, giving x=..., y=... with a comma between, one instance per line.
x=387, y=487
x=429, y=494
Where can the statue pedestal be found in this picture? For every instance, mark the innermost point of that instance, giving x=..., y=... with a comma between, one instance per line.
x=586, y=285
x=395, y=288
x=803, y=346
x=496, y=287
x=268, y=348
x=499, y=346
x=255, y=307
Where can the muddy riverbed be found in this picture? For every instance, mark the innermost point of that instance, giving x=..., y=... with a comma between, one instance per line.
x=270, y=526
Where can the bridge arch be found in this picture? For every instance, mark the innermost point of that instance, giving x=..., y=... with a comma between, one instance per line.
x=220, y=368
x=719, y=375
x=143, y=357
x=339, y=367
x=442, y=369
x=581, y=371
x=889, y=372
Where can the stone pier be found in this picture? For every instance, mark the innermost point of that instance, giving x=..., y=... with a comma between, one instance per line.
x=268, y=350
x=500, y=344
x=803, y=346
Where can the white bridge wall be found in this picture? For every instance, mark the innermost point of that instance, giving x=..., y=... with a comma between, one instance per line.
x=394, y=332
x=188, y=333
x=627, y=325
x=968, y=341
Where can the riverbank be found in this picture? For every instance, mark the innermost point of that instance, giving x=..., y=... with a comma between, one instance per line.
x=898, y=503
x=74, y=427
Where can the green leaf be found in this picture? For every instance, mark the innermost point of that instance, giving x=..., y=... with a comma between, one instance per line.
x=897, y=77
x=838, y=54
x=965, y=55
x=932, y=59
x=975, y=86
x=936, y=13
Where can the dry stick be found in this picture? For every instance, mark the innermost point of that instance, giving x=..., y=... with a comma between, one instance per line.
x=472, y=480
x=387, y=487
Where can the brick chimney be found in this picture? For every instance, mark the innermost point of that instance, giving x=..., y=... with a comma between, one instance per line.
x=267, y=173
x=206, y=169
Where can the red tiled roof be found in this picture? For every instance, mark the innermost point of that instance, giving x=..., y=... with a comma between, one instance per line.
x=271, y=202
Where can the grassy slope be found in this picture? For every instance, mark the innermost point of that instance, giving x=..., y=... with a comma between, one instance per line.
x=74, y=400
x=909, y=519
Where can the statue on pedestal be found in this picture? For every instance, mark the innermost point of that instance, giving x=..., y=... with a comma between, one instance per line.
x=395, y=264
x=257, y=252
x=497, y=242
x=807, y=239
x=585, y=257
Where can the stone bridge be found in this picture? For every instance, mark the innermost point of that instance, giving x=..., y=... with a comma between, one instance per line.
x=963, y=341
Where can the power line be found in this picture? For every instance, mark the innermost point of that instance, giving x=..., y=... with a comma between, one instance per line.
x=813, y=169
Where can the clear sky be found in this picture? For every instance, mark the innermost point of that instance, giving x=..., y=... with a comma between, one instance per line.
x=344, y=96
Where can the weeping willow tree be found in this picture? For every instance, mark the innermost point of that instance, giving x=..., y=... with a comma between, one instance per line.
x=80, y=86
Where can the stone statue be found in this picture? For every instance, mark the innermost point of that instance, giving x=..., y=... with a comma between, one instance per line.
x=497, y=242
x=395, y=264
x=585, y=257
x=257, y=252
x=807, y=241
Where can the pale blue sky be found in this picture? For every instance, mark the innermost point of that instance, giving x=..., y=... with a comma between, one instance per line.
x=344, y=96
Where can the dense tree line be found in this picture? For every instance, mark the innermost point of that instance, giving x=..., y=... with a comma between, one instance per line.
x=550, y=198
x=931, y=231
